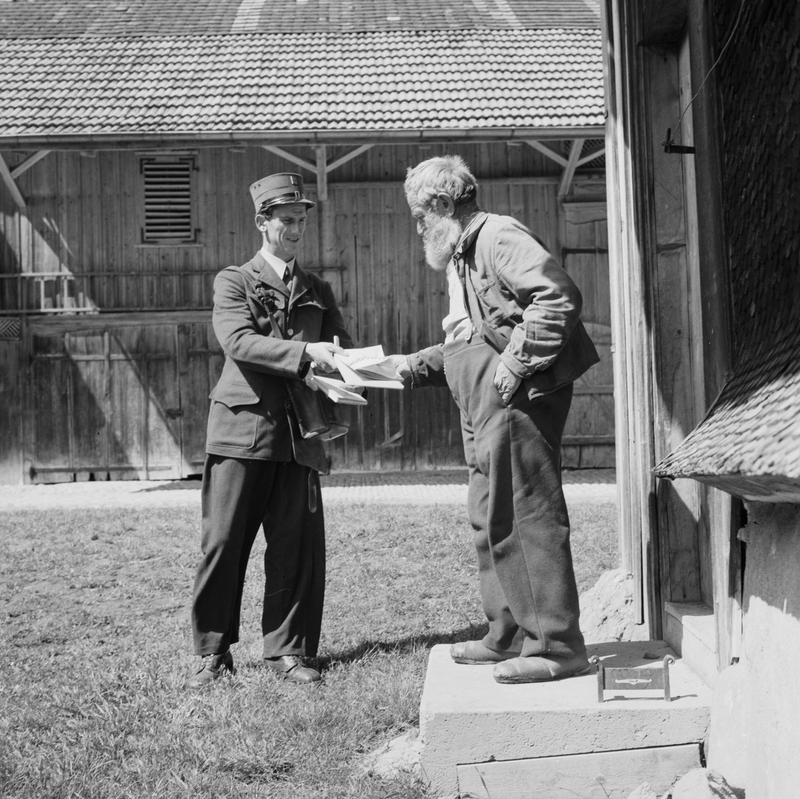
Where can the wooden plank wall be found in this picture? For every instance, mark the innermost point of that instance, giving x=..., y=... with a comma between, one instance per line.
x=11, y=470
x=589, y=436
x=149, y=386
x=677, y=329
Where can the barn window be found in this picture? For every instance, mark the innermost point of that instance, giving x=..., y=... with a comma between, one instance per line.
x=168, y=206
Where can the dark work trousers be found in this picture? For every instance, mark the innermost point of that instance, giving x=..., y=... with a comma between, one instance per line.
x=516, y=507
x=238, y=496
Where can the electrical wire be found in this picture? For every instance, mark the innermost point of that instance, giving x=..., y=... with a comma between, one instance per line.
x=677, y=127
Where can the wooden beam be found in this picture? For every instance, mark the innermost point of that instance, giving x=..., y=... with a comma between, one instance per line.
x=195, y=139
x=542, y=180
x=5, y=172
x=349, y=157
x=628, y=289
x=569, y=169
x=591, y=156
x=58, y=325
x=28, y=163
x=551, y=154
x=322, y=173
x=295, y=159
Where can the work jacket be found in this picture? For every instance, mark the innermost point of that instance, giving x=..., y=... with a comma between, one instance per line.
x=522, y=302
x=249, y=415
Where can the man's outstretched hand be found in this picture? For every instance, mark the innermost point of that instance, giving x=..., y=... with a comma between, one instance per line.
x=320, y=354
x=400, y=363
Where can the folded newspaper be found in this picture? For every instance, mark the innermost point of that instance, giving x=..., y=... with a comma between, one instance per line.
x=367, y=367
x=361, y=368
x=336, y=390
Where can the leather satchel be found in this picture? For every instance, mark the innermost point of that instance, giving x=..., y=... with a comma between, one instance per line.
x=315, y=414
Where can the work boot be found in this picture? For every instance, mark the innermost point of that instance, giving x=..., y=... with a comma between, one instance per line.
x=292, y=668
x=212, y=667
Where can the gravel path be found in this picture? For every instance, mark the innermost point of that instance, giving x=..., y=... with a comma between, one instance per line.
x=387, y=488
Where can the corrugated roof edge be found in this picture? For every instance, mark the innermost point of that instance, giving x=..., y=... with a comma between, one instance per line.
x=257, y=138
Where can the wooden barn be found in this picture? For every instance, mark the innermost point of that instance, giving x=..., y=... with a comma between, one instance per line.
x=129, y=134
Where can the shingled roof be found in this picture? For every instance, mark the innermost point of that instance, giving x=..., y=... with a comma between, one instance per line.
x=84, y=69
x=749, y=442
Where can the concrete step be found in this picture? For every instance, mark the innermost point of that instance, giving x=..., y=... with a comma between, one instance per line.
x=477, y=734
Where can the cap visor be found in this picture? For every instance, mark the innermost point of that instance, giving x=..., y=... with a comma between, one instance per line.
x=289, y=202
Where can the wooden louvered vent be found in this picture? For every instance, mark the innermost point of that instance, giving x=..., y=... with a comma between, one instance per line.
x=168, y=200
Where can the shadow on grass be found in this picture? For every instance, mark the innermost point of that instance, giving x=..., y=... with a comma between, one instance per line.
x=190, y=483
x=401, y=646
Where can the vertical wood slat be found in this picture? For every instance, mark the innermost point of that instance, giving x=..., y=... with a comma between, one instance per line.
x=628, y=291
x=111, y=292
x=128, y=405
x=592, y=412
x=695, y=306
x=680, y=503
x=11, y=412
x=196, y=356
x=163, y=402
x=87, y=414
x=51, y=385
x=715, y=287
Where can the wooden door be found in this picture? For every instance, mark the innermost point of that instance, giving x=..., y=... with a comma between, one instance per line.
x=104, y=404
x=589, y=434
x=200, y=365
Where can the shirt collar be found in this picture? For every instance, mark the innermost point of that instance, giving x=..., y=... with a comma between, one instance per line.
x=278, y=264
x=471, y=230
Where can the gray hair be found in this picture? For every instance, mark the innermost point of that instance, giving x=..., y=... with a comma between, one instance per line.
x=447, y=174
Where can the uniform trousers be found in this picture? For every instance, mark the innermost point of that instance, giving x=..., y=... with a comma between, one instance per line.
x=238, y=497
x=516, y=507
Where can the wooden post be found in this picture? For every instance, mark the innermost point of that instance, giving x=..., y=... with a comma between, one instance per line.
x=16, y=194
x=724, y=510
x=630, y=298
x=569, y=169
x=322, y=173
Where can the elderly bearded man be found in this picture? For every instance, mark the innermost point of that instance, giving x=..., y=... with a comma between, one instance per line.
x=514, y=344
x=272, y=320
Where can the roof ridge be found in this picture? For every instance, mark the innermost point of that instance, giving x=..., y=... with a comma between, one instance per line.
x=299, y=35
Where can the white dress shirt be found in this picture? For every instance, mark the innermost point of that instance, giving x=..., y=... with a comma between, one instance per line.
x=279, y=265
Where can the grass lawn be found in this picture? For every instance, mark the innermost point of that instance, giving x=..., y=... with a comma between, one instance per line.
x=96, y=646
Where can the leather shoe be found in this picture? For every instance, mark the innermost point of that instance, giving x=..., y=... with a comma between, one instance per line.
x=291, y=668
x=539, y=669
x=212, y=667
x=475, y=653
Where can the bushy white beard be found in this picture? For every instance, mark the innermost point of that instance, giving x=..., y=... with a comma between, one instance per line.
x=440, y=240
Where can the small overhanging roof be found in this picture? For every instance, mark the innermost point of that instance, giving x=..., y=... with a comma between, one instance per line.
x=357, y=77
x=749, y=443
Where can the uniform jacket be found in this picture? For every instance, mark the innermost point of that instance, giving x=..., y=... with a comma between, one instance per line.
x=526, y=303
x=249, y=416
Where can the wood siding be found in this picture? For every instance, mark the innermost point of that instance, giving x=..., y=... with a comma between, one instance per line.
x=123, y=393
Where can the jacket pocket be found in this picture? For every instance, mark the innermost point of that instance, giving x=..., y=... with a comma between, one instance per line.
x=232, y=418
x=492, y=302
x=233, y=394
x=232, y=427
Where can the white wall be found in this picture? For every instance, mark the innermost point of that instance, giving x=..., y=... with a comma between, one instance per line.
x=755, y=726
